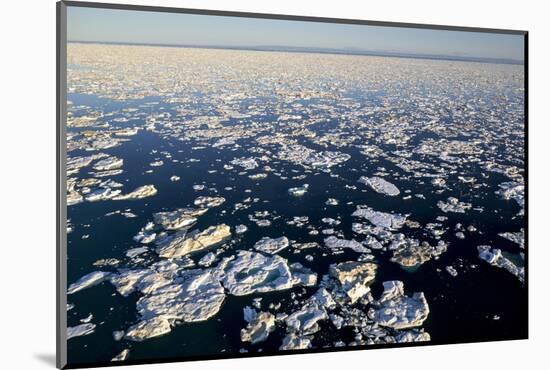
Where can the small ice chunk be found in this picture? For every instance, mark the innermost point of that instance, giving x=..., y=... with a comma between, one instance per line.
x=122, y=356
x=451, y=270
x=241, y=229
x=298, y=191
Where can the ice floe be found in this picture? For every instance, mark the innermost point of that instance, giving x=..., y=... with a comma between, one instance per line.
x=354, y=277
x=139, y=193
x=396, y=310
x=241, y=229
x=80, y=330
x=209, y=202
x=260, y=325
x=380, y=185
x=109, y=163
x=271, y=245
x=146, y=329
x=410, y=252
x=250, y=272
x=87, y=281
x=184, y=243
x=122, y=356
x=453, y=205
x=245, y=163
x=494, y=256
x=179, y=218
x=335, y=243
x=382, y=219
x=517, y=237
x=513, y=190
x=298, y=191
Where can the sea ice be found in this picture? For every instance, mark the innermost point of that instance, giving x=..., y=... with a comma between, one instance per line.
x=102, y=194
x=250, y=272
x=245, y=163
x=209, y=202
x=298, y=191
x=410, y=252
x=146, y=329
x=139, y=193
x=453, y=205
x=177, y=219
x=87, y=281
x=494, y=257
x=293, y=342
x=398, y=311
x=109, y=163
x=380, y=185
x=335, y=243
x=354, y=277
x=184, y=243
x=271, y=245
x=382, y=219
x=122, y=356
x=513, y=190
x=260, y=325
x=80, y=330
x=304, y=320
x=241, y=229
x=196, y=295
x=517, y=237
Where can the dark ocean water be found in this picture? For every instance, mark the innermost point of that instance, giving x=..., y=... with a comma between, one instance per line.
x=462, y=308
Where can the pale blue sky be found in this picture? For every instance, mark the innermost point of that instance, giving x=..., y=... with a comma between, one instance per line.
x=109, y=25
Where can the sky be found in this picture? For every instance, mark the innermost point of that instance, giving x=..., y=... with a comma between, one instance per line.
x=129, y=26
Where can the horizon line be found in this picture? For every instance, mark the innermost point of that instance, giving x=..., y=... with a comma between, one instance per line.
x=318, y=50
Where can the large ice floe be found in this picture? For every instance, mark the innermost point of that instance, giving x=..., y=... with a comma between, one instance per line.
x=396, y=310
x=380, y=185
x=334, y=243
x=194, y=295
x=184, y=242
x=310, y=158
x=250, y=272
x=382, y=219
